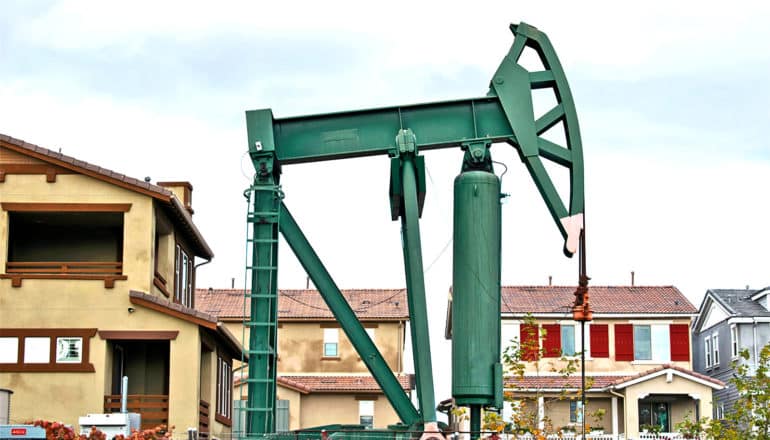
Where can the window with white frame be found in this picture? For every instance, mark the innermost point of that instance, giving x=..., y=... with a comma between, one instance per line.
x=575, y=411
x=224, y=391
x=707, y=351
x=331, y=342
x=9, y=350
x=366, y=413
x=720, y=412
x=715, y=349
x=183, y=277
x=37, y=350
x=370, y=332
x=568, y=340
x=734, y=343
x=69, y=350
x=509, y=336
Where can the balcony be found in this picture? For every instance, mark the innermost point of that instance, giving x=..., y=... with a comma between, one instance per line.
x=152, y=407
x=108, y=271
x=65, y=245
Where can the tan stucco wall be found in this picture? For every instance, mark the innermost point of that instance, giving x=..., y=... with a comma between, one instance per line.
x=557, y=410
x=88, y=304
x=300, y=347
x=606, y=365
x=321, y=409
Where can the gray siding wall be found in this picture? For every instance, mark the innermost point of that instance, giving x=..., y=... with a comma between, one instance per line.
x=724, y=371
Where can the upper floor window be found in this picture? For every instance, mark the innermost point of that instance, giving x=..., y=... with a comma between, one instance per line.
x=48, y=349
x=183, y=278
x=568, y=340
x=652, y=342
x=734, y=343
x=331, y=342
x=715, y=349
x=707, y=351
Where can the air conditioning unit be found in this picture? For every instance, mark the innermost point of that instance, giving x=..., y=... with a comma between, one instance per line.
x=21, y=432
x=111, y=424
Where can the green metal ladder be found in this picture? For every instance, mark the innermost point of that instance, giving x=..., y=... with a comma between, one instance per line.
x=261, y=298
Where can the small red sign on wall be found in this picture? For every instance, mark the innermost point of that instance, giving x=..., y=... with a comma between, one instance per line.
x=18, y=431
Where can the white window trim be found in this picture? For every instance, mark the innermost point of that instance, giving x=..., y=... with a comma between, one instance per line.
x=715, y=349
x=735, y=347
x=707, y=351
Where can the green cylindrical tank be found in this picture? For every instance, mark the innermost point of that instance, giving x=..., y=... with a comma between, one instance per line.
x=476, y=371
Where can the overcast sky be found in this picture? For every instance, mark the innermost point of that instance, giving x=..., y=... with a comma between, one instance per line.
x=672, y=99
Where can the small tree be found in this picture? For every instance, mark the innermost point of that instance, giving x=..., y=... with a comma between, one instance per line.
x=515, y=359
x=750, y=416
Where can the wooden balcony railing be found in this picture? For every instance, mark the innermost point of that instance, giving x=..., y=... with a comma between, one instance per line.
x=108, y=271
x=203, y=419
x=152, y=407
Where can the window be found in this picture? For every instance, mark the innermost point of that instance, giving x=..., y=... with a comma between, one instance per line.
x=734, y=345
x=568, y=340
x=9, y=350
x=642, y=342
x=366, y=413
x=509, y=336
x=370, y=332
x=69, y=350
x=654, y=414
x=224, y=391
x=720, y=412
x=715, y=349
x=707, y=351
x=575, y=411
x=331, y=342
x=183, y=279
x=25, y=350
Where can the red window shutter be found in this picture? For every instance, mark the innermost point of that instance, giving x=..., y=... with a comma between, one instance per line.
x=552, y=342
x=624, y=342
x=680, y=342
x=600, y=341
x=530, y=346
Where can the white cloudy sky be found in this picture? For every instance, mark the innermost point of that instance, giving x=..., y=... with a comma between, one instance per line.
x=672, y=98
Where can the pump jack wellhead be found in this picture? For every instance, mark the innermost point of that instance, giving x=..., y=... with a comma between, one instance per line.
x=506, y=115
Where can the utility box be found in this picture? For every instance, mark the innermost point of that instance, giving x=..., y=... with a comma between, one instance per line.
x=5, y=406
x=111, y=424
x=18, y=432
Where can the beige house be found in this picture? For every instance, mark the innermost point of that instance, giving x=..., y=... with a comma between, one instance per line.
x=321, y=378
x=638, y=359
x=97, y=274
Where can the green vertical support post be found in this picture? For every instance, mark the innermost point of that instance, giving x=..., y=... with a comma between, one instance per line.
x=347, y=319
x=262, y=277
x=415, y=284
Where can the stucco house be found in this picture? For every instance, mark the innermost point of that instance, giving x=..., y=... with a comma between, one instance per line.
x=321, y=378
x=97, y=274
x=638, y=358
x=729, y=321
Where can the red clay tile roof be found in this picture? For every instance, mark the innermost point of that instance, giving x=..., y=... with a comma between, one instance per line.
x=603, y=299
x=368, y=304
x=339, y=384
x=558, y=382
x=599, y=382
x=188, y=314
x=288, y=383
x=672, y=367
x=157, y=192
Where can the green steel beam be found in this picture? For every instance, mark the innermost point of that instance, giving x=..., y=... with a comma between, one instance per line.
x=415, y=289
x=347, y=319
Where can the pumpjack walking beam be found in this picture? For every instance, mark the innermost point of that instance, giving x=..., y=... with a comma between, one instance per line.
x=505, y=115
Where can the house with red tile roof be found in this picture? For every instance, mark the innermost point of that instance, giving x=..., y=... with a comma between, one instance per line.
x=320, y=375
x=638, y=359
x=97, y=274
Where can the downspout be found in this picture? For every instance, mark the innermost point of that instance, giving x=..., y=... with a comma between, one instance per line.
x=625, y=419
x=756, y=353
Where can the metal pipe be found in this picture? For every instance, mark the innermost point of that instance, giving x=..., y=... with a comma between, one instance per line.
x=583, y=375
x=124, y=395
x=475, y=421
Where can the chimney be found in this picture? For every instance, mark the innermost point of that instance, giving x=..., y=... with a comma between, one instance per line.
x=632, y=278
x=183, y=191
x=550, y=280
